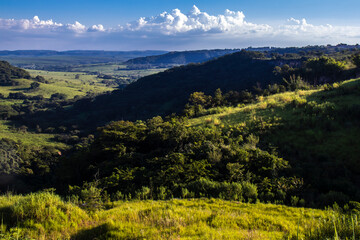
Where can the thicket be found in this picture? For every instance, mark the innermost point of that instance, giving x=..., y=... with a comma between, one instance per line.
x=160, y=159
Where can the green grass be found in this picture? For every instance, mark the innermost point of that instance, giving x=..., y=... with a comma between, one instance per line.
x=59, y=82
x=117, y=70
x=46, y=216
x=65, y=82
x=7, y=130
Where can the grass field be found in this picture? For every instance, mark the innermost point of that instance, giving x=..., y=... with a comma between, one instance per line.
x=118, y=70
x=9, y=131
x=66, y=82
x=46, y=216
x=59, y=82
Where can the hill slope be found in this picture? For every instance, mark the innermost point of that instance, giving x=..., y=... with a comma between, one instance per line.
x=315, y=130
x=8, y=73
x=167, y=92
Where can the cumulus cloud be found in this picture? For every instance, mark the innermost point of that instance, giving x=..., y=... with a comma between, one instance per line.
x=97, y=28
x=172, y=30
x=195, y=21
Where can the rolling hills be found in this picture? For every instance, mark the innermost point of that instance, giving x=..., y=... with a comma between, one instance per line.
x=167, y=92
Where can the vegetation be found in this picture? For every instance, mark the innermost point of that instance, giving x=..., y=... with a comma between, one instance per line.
x=251, y=128
x=46, y=216
x=8, y=73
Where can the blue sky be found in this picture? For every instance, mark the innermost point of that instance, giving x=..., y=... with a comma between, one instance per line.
x=114, y=25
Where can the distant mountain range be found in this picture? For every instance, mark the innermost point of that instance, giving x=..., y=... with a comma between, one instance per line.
x=92, y=53
x=66, y=60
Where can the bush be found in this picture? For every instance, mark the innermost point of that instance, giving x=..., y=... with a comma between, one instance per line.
x=224, y=190
x=249, y=191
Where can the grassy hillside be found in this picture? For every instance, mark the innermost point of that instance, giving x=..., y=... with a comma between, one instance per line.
x=9, y=131
x=70, y=83
x=46, y=216
x=317, y=131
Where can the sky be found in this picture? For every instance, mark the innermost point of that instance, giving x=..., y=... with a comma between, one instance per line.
x=175, y=25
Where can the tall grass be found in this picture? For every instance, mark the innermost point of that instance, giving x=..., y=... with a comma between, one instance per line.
x=47, y=216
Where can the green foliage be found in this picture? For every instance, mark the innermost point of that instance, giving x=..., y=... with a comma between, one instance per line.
x=160, y=159
x=297, y=83
x=356, y=60
x=324, y=67
x=316, y=130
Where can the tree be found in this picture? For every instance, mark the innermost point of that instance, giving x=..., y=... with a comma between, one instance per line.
x=356, y=60
x=34, y=85
x=218, y=98
x=199, y=98
x=9, y=157
x=40, y=79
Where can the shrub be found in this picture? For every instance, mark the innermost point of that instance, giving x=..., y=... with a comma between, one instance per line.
x=224, y=190
x=249, y=191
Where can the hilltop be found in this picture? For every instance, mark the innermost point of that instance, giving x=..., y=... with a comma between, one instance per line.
x=179, y=58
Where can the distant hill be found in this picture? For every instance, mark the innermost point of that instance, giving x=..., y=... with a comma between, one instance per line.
x=180, y=58
x=88, y=53
x=65, y=60
x=339, y=50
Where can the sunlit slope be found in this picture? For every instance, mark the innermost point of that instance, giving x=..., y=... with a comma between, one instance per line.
x=317, y=131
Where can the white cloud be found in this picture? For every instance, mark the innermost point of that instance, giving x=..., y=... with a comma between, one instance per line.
x=195, y=21
x=97, y=28
x=172, y=30
x=76, y=27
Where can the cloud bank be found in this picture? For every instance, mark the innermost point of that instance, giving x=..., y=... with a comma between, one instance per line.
x=170, y=31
